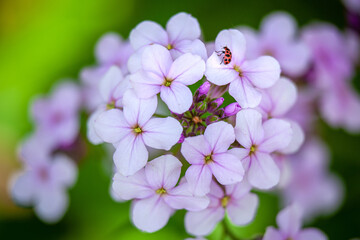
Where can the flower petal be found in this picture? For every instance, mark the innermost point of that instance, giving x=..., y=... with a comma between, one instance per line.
x=279, y=26
x=109, y=82
x=111, y=126
x=177, y=97
x=63, y=170
x=131, y=155
x=248, y=128
x=263, y=71
x=182, y=26
x=242, y=211
x=138, y=111
x=134, y=186
x=22, y=188
x=227, y=168
x=289, y=220
x=187, y=69
x=145, y=84
x=157, y=60
x=194, y=149
x=245, y=93
x=196, y=47
x=146, y=33
x=311, y=233
x=162, y=133
x=220, y=136
x=219, y=74
x=108, y=47
x=273, y=234
x=151, y=214
x=263, y=172
x=52, y=205
x=163, y=172
x=235, y=41
x=180, y=197
x=202, y=223
x=199, y=179
x=297, y=139
x=91, y=132
x=277, y=135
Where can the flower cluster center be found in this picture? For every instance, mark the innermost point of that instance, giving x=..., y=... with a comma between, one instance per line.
x=161, y=191
x=225, y=201
x=169, y=46
x=252, y=149
x=208, y=159
x=238, y=69
x=138, y=130
x=167, y=82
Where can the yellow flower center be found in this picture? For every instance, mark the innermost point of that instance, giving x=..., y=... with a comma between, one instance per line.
x=225, y=201
x=167, y=82
x=208, y=159
x=169, y=46
x=237, y=68
x=137, y=130
x=252, y=149
x=110, y=105
x=161, y=191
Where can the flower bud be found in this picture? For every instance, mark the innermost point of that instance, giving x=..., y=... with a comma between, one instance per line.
x=182, y=138
x=204, y=88
x=232, y=109
x=214, y=104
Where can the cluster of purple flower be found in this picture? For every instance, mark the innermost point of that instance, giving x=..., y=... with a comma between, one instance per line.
x=139, y=102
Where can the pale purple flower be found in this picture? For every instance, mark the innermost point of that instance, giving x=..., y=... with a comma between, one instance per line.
x=352, y=5
x=181, y=35
x=311, y=186
x=340, y=107
x=259, y=141
x=331, y=61
x=156, y=196
x=111, y=88
x=208, y=155
x=232, y=109
x=43, y=182
x=289, y=222
x=237, y=201
x=56, y=117
x=275, y=103
x=132, y=129
x=246, y=77
x=277, y=38
x=160, y=74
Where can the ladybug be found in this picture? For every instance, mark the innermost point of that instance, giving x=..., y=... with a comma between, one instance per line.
x=227, y=55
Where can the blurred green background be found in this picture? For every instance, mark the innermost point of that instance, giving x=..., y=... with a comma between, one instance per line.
x=43, y=41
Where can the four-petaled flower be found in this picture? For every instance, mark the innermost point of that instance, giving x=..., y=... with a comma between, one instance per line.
x=156, y=196
x=132, y=129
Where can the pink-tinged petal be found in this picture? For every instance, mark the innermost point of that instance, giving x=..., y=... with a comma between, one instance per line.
x=163, y=172
x=252, y=42
x=199, y=179
x=294, y=58
x=282, y=97
x=195, y=47
x=311, y=233
x=240, y=153
x=219, y=73
x=180, y=197
x=134, y=62
x=182, y=26
x=220, y=136
x=108, y=47
x=145, y=84
x=242, y=211
x=134, y=186
x=248, y=128
x=227, y=168
x=203, y=223
x=238, y=190
x=273, y=234
x=177, y=97
x=109, y=82
x=263, y=172
x=138, y=111
x=91, y=132
x=235, y=41
x=297, y=139
x=277, y=135
x=279, y=26
x=216, y=193
x=187, y=69
x=263, y=72
x=52, y=205
x=157, y=60
x=63, y=170
x=66, y=97
x=210, y=48
x=289, y=220
x=120, y=90
x=194, y=149
x=162, y=133
x=111, y=126
x=131, y=155
x=146, y=33
x=151, y=214
x=22, y=188
x=245, y=93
